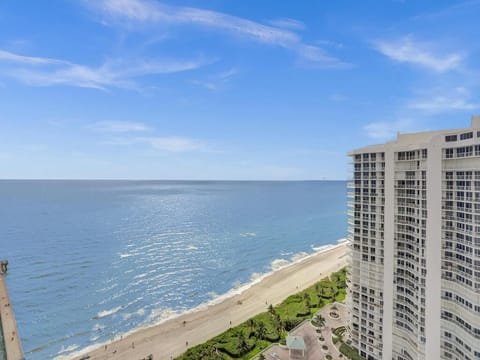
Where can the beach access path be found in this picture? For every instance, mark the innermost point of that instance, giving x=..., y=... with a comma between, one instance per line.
x=172, y=337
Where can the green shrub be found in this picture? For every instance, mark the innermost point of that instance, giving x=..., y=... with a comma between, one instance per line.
x=339, y=331
x=291, y=323
x=349, y=352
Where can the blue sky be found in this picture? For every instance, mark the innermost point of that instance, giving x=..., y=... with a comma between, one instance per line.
x=145, y=89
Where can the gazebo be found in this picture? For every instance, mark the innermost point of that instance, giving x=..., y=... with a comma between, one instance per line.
x=295, y=343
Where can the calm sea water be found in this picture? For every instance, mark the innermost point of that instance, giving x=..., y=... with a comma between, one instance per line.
x=90, y=260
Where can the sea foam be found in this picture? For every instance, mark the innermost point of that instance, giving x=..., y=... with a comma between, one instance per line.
x=68, y=349
x=105, y=313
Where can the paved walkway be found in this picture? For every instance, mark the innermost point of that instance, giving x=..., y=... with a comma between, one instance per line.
x=333, y=323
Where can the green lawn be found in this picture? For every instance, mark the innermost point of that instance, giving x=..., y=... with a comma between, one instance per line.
x=256, y=334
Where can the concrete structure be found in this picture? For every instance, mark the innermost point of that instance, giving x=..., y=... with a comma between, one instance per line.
x=11, y=339
x=414, y=231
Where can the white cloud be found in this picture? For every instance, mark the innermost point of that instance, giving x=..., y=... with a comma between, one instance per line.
x=118, y=126
x=156, y=12
x=30, y=60
x=216, y=81
x=456, y=99
x=170, y=144
x=72, y=75
x=210, y=85
x=228, y=73
x=113, y=73
x=149, y=12
x=288, y=23
x=329, y=43
x=442, y=103
x=129, y=9
x=388, y=130
x=317, y=56
x=407, y=50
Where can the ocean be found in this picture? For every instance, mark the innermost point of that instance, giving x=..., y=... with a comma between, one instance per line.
x=92, y=260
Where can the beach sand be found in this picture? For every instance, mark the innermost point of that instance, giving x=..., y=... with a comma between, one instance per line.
x=168, y=339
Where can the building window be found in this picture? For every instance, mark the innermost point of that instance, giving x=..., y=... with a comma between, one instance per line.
x=450, y=138
x=466, y=136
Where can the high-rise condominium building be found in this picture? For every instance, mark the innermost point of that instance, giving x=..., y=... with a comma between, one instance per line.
x=414, y=229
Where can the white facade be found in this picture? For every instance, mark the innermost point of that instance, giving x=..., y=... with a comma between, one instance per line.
x=414, y=231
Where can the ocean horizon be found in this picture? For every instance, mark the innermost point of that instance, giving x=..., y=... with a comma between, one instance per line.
x=91, y=260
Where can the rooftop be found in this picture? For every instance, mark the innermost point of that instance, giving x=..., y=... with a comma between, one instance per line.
x=416, y=138
x=295, y=343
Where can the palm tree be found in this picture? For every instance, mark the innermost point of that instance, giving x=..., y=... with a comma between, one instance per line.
x=307, y=303
x=278, y=324
x=320, y=320
x=261, y=330
x=335, y=292
x=242, y=346
x=271, y=309
x=307, y=299
x=334, y=277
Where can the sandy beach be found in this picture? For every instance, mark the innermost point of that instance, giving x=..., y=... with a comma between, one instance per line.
x=168, y=339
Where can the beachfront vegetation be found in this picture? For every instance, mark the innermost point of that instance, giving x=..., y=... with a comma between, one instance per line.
x=256, y=334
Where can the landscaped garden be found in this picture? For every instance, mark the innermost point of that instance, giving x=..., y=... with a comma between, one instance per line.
x=345, y=349
x=256, y=334
x=349, y=352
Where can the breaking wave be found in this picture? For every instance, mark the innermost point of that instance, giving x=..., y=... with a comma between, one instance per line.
x=105, y=313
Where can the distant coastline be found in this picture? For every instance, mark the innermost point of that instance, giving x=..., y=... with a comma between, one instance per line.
x=181, y=180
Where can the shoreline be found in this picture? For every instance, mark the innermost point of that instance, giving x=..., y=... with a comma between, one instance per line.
x=138, y=342
x=76, y=352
